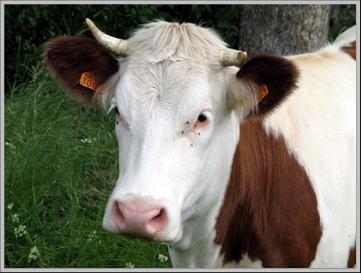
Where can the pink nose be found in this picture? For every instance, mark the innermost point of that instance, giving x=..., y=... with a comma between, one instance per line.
x=139, y=218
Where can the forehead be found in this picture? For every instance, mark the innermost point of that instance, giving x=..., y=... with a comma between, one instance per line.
x=168, y=67
x=164, y=85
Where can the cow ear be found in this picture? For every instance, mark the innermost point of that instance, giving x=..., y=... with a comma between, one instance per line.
x=81, y=66
x=262, y=83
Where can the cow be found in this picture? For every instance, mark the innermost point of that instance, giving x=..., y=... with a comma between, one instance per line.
x=231, y=162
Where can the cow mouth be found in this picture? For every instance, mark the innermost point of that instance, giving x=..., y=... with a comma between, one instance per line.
x=156, y=238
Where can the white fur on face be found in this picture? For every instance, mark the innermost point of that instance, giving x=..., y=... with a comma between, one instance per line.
x=162, y=156
x=171, y=74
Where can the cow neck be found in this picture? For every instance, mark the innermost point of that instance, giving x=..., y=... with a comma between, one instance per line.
x=270, y=209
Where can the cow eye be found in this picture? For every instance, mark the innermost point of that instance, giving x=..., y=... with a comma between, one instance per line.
x=202, y=118
x=119, y=118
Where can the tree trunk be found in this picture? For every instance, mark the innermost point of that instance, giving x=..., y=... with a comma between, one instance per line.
x=335, y=12
x=283, y=29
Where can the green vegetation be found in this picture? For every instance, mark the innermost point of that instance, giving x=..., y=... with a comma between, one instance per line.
x=61, y=156
x=27, y=27
x=341, y=19
x=61, y=164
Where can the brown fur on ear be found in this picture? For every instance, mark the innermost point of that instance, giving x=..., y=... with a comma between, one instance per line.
x=68, y=57
x=277, y=73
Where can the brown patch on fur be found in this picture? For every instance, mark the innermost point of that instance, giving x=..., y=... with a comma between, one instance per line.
x=68, y=57
x=352, y=257
x=270, y=209
x=350, y=49
x=277, y=73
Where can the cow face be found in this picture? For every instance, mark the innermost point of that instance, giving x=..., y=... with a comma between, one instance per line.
x=170, y=120
x=177, y=110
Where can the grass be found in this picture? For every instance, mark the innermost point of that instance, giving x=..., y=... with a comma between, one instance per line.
x=60, y=168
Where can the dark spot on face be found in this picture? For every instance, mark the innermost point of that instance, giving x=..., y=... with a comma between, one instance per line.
x=191, y=145
x=182, y=132
x=117, y=122
x=187, y=122
x=199, y=134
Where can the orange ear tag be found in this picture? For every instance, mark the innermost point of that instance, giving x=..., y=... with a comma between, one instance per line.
x=88, y=80
x=262, y=92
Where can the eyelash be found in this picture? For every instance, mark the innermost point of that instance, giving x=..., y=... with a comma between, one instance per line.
x=202, y=118
x=200, y=122
x=120, y=120
x=116, y=110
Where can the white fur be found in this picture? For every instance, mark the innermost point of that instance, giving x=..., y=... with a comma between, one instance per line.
x=157, y=162
x=167, y=80
x=346, y=37
x=318, y=122
x=172, y=73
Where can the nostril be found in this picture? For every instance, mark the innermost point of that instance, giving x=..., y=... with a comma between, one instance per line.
x=158, y=215
x=158, y=222
x=138, y=218
x=117, y=214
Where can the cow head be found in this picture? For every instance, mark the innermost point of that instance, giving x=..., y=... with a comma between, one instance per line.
x=178, y=99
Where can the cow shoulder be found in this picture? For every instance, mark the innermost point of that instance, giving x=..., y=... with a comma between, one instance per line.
x=270, y=211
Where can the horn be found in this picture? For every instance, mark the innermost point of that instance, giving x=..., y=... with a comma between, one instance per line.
x=231, y=57
x=116, y=45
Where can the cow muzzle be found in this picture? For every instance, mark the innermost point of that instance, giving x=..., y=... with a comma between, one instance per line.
x=143, y=219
